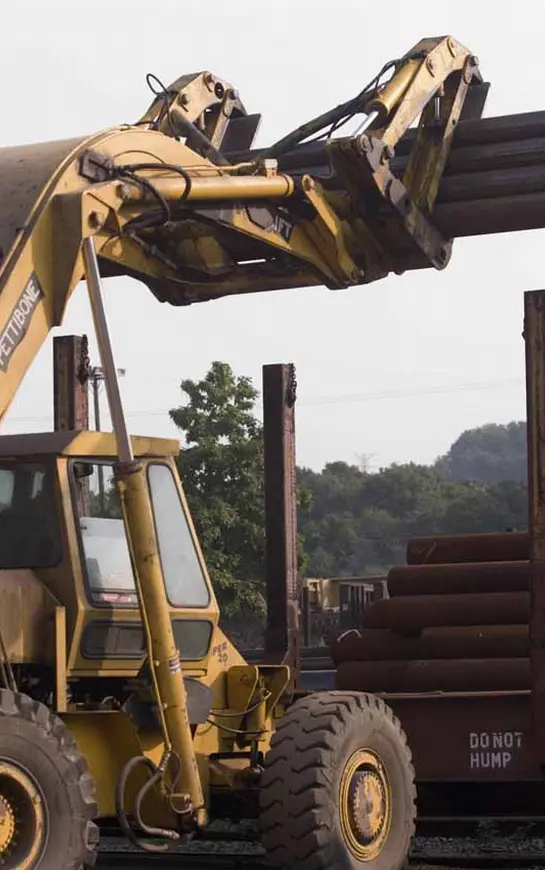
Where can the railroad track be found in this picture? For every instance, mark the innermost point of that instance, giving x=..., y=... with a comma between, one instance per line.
x=130, y=861
x=193, y=856
x=487, y=842
x=463, y=855
x=438, y=849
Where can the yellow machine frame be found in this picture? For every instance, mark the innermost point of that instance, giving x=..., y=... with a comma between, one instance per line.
x=158, y=201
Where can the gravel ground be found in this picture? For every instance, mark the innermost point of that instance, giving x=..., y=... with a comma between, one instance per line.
x=195, y=855
x=492, y=851
x=470, y=845
x=488, y=846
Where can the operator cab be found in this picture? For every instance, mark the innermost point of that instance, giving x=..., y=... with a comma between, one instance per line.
x=29, y=536
x=61, y=526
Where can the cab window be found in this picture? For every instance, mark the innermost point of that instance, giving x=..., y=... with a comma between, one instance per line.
x=182, y=570
x=29, y=524
x=104, y=543
x=108, y=564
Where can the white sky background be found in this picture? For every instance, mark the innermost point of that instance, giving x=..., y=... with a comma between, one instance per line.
x=385, y=370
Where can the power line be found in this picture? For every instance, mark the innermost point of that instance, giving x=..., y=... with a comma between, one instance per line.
x=339, y=399
x=418, y=391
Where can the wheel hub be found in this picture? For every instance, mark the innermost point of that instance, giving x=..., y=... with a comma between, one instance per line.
x=7, y=825
x=23, y=829
x=365, y=804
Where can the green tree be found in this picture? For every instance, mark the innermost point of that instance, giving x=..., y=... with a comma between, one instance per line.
x=351, y=521
x=221, y=467
x=359, y=523
x=488, y=454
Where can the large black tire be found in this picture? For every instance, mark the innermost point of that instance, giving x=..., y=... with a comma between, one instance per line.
x=39, y=756
x=309, y=777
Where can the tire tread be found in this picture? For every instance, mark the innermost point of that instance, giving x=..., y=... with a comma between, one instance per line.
x=295, y=822
x=72, y=764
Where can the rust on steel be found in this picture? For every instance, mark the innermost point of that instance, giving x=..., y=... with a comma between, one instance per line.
x=448, y=549
x=445, y=642
x=477, y=133
x=413, y=613
x=282, y=632
x=70, y=383
x=459, y=578
x=458, y=651
x=494, y=179
x=493, y=183
x=450, y=675
x=467, y=737
x=534, y=336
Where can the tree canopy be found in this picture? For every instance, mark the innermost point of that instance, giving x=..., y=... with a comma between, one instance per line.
x=359, y=523
x=352, y=522
x=221, y=467
x=490, y=454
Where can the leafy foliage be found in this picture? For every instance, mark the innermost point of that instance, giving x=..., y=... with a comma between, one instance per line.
x=352, y=522
x=221, y=467
x=359, y=523
x=490, y=454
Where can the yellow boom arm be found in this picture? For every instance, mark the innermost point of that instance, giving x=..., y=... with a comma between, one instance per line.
x=163, y=204
x=159, y=201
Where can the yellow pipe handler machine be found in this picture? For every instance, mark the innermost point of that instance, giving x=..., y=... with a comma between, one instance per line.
x=121, y=697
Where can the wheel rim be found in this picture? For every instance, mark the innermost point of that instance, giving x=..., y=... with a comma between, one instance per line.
x=365, y=804
x=23, y=827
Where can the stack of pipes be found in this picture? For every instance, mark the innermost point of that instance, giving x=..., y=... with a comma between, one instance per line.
x=456, y=620
x=494, y=180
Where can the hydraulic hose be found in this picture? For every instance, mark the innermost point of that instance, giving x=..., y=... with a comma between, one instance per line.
x=156, y=774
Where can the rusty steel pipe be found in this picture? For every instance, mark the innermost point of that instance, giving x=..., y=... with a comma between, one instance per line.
x=478, y=132
x=471, y=158
x=516, y=181
x=484, y=131
x=459, y=578
x=412, y=613
x=455, y=675
x=494, y=180
x=448, y=549
x=487, y=216
x=497, y=155
x=474, y=160
x=458, y=642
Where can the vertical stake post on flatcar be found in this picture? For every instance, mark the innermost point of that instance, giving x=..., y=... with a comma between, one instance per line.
x=534, y=337
x=70, y=383
x=282, y=632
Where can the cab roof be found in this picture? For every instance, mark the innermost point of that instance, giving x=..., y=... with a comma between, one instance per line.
x=82, y=443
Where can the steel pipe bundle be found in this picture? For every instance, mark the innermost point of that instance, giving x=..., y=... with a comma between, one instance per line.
x=410, y=614
x=455, y=675
x=457, y=620
x=494, y=180
x=458, y=579
x=457, y=642
x=450, y=549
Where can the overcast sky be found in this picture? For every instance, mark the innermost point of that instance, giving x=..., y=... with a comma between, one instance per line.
x=391, y=372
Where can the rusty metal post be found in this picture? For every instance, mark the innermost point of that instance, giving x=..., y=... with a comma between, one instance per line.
x=534, y=336
x=70, y=388
x=282, y=633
